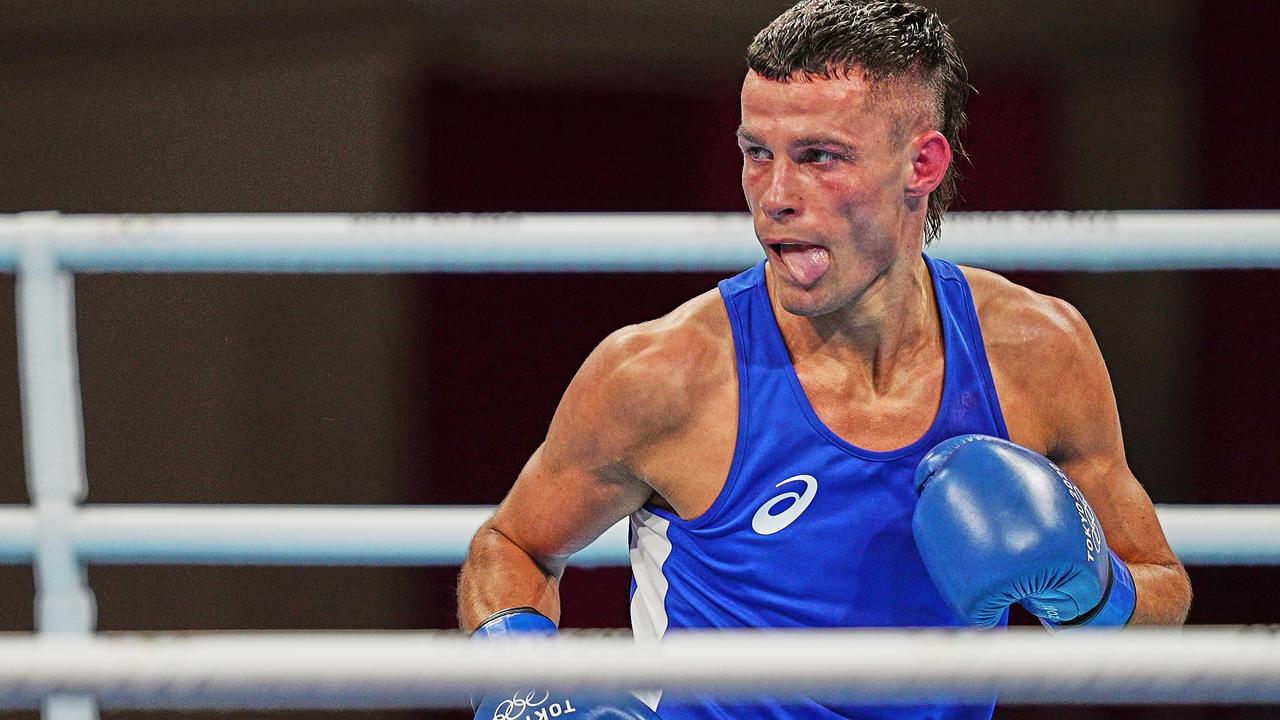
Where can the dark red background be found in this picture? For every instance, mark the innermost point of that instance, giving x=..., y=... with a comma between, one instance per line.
x=187, y=400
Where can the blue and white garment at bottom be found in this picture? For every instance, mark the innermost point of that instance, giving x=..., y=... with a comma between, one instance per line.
x=809, y=531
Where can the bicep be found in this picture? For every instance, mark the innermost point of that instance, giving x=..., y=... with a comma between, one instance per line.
x=580, y=480
x=558, y=506
x=1123, y=507
x=1089, y=446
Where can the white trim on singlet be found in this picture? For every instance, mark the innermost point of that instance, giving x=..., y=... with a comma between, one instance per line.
x=649, y=549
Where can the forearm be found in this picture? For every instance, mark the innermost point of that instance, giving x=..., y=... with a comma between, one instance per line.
x=497, y=575
x=1164, y=594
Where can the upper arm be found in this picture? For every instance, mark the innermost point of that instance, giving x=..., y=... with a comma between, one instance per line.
x=582, y=480
x=1084, y=436
x=1058, y=400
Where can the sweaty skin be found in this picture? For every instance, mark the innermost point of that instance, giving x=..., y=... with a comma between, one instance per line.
x=834, y=176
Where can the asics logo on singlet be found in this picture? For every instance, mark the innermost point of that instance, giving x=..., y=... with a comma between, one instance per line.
x=766, y=523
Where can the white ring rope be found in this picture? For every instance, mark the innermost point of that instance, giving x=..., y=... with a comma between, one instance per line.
x=438, y=535
x=618, y=242
x=367, y=670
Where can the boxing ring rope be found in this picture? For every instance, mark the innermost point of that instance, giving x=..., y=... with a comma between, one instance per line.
x=438, y=535
x=414, y=669
x=1101, y=241
x=58, y=535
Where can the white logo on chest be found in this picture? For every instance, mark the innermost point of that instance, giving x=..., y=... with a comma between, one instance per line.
x=766, y=523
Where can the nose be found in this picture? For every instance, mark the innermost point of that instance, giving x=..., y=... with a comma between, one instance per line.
x=780, y=199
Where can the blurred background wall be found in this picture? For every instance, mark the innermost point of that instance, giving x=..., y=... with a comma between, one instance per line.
x=434, y=389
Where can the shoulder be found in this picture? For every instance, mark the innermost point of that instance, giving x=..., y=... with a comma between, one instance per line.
x=1018, y=319
x=649, y=378
x=1047, y=366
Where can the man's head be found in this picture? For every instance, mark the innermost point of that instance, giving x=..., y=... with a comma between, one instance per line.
x=903, y=51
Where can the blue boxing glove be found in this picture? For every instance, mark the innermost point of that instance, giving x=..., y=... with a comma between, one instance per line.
x=526, y=704
x=998, y=524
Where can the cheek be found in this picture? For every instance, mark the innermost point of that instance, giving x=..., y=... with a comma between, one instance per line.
x=864, y=195
x=848, y=195
x=751, y=179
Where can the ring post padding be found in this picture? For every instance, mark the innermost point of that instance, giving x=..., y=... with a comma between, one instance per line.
x=52, y=425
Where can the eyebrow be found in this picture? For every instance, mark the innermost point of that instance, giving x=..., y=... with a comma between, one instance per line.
x=799, y=142
x=819, y=140
x=744, y=135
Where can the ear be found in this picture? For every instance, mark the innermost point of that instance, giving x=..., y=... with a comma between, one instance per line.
x=931, y=158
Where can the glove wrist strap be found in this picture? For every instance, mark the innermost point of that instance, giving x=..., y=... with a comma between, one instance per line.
x=1117, y=606
x=511, y=622
x=515, y=621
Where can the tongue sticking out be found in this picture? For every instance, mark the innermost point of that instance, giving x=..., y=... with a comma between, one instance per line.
x=806, y=263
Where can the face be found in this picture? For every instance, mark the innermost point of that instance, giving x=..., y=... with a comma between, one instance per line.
x=830, y=187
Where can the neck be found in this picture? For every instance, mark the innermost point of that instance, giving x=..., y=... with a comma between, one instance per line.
x=890, y=322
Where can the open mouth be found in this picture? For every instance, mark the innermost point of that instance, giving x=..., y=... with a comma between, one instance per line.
x=807, y=264
x=779, y=247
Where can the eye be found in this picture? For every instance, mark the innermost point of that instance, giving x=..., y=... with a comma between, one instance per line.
x=820, y=157
x=756, y=153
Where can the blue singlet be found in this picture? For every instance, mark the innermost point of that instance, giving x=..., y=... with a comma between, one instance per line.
x=809, y=530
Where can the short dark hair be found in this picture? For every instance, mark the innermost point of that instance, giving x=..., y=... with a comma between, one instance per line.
x=885, y=40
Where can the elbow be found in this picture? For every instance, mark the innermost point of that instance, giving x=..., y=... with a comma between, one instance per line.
x=492, y=545
x=1186, y=593
x=498, y=574
x=1168, y=593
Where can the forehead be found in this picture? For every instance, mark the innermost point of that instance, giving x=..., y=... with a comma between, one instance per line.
x=811, y=105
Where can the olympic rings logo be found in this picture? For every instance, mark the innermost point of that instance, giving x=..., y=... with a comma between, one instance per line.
x=515, y=707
